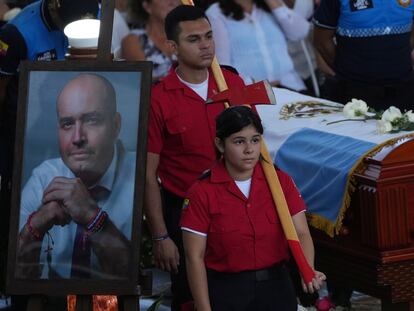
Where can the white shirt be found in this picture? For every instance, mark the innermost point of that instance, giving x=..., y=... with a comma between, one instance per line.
x=200, y=88
x=120, y=29
x=304, y=60
x=244, y=186
x=256, y=45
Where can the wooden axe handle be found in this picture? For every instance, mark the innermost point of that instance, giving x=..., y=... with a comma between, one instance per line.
x=275, y=188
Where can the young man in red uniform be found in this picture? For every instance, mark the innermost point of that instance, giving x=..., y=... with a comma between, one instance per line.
x=180, y=137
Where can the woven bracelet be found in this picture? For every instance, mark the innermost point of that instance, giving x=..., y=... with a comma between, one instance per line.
x=99, y=223
x=161, y=238
x=94, y=219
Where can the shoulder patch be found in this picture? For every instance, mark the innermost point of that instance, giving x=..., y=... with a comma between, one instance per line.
x=358, y=5
x=404, y=3
x=3, y=48
x=47, y=55
x=206, y=174
x=186, y=203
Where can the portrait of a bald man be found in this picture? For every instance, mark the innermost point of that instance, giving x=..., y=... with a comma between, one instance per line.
x=76, y=210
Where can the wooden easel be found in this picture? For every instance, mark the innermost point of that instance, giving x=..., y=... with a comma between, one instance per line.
x=85, y=302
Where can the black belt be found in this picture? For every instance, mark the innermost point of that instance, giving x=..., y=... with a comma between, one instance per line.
x=271, y=273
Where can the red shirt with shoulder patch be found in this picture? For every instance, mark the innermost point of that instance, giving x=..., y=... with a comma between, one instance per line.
x=242, y=233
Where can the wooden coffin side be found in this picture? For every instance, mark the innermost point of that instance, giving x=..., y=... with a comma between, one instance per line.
x=375, y=251
x=386, y=198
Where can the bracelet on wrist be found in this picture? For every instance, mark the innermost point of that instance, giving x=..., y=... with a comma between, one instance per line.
x=36, y=235
x=94, y=219
x=160, y=238
x=97, y=223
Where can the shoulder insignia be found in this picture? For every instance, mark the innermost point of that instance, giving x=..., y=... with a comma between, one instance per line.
x=186, y=203
x=358, y=5
x=47, y=55
x=3, y=48
x=404, y=3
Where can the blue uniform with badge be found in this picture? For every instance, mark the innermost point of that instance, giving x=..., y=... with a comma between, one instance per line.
x=31, y=35
x=373, y=50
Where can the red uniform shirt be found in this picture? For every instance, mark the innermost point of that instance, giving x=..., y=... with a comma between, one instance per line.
x=182, y=128
x=242, y=233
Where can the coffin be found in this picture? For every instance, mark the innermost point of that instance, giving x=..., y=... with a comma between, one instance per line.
x=373, y=251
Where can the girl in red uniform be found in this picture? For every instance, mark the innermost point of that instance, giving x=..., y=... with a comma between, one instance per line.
x=234, y=244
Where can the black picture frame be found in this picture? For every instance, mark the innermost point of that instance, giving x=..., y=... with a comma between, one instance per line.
x=39, y=85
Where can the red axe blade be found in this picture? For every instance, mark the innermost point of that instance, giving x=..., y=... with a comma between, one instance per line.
x=259, y=93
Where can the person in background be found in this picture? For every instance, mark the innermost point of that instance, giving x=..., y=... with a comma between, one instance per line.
x=203, y=4
x=181, y=132
x=367, y=46
x=9, y=9
x=150, y=42
x=234, y=243
x=119, y=31
x=36, y=33
x=302, y=51
x=122, y=6
x=251, y=36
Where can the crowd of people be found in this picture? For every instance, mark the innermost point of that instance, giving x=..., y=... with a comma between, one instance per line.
x=331, y=49
x=210, y=214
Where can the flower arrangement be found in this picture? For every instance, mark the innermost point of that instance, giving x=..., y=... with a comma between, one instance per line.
x=391, y=120
x=355, y=108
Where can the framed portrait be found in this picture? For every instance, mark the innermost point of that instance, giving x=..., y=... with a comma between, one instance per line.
x=78, y=178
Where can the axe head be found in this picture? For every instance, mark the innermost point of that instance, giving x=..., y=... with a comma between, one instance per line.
x=259, y=93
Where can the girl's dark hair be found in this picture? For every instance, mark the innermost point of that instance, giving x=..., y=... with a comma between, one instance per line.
x=235, y=11
x=234, y=119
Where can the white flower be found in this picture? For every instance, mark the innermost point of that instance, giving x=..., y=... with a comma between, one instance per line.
x=355, y=108
x=410, y=115
x=383, y=126
x=391, y=114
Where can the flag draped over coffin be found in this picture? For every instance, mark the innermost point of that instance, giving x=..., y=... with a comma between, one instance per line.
x=320, y=158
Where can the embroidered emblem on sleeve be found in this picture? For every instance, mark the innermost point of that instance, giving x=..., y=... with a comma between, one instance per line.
x=3, y=48
x=47, y=55
x=186, y=203
x=357, y=5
